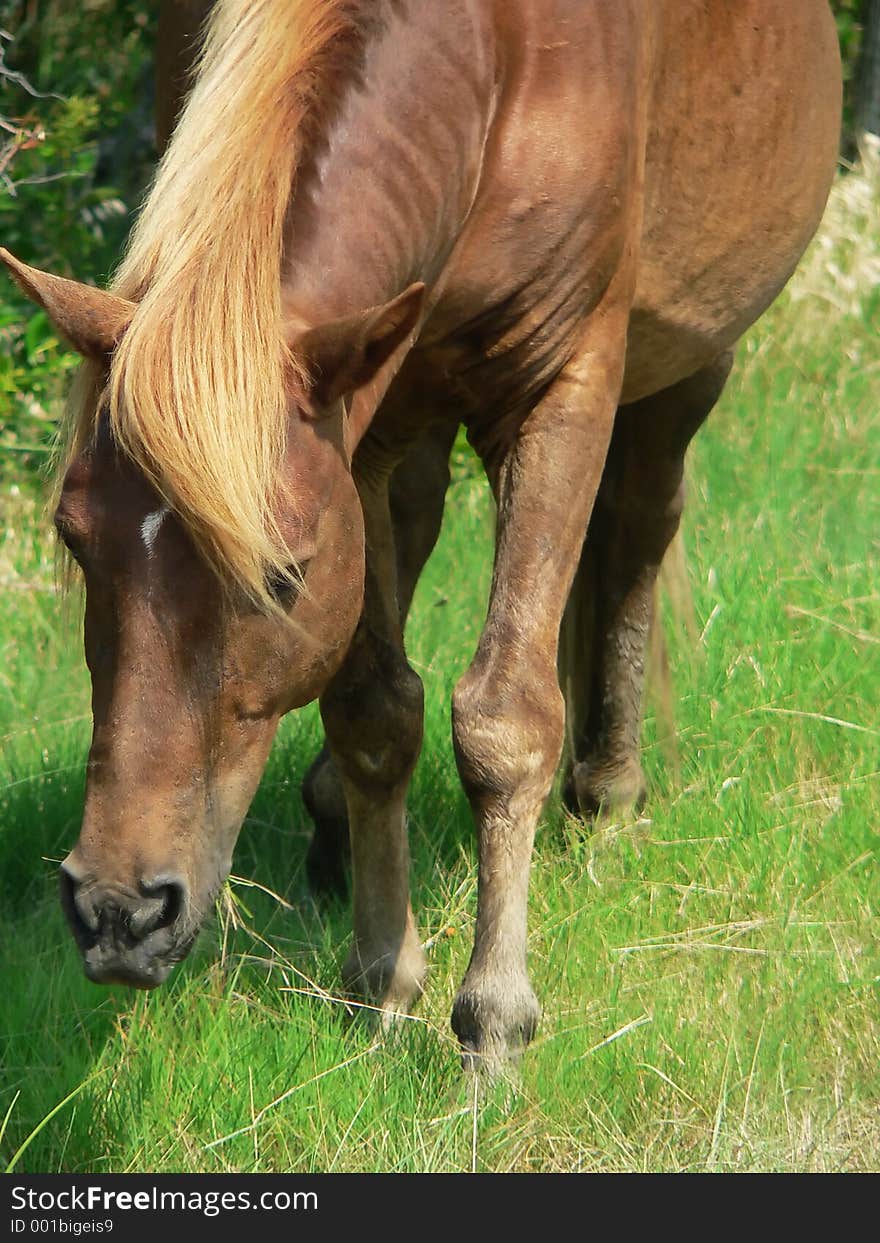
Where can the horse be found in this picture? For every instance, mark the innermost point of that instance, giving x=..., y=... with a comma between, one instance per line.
x=376, y=220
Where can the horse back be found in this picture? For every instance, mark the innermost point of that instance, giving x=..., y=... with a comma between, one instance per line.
x=693, y=140
x=742, y=142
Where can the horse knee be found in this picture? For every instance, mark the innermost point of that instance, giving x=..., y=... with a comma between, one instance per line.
x=322, y=790
x=508, y=731
x=374, y=722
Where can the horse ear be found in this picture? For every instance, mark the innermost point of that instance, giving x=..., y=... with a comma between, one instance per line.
x=92, y=320
x=342, y=355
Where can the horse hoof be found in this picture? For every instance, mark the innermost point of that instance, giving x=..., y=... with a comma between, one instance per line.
x=597, y=791
x=494, y=1023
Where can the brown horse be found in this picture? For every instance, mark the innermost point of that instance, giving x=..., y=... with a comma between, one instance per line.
x=549, y=220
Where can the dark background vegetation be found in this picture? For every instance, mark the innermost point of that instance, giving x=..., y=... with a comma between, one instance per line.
x=76, y=151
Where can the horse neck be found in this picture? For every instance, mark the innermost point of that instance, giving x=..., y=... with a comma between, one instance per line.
x=384, y=196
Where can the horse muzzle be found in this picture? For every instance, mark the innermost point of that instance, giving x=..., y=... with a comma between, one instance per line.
x=126, y=935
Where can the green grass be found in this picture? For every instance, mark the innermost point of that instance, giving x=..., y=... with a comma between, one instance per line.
x=709, y=974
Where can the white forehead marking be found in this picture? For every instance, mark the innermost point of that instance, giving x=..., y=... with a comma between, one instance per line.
x=150, y=527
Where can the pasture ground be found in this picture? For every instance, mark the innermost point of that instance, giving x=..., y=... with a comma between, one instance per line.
x=709, y=973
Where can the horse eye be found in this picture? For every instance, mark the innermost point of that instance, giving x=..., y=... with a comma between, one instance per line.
x=69, y=541
x=283, y=586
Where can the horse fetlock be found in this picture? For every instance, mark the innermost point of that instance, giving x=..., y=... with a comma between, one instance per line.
x=600, y=787
x=390, y=977
x=495, y=1015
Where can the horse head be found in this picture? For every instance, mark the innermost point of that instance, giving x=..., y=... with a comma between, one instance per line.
x=191, y=671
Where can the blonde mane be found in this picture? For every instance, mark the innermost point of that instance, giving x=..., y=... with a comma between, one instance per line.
x=199, y=383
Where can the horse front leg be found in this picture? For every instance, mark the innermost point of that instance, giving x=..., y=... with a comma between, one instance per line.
x=373, y=718
x=416, y=498
x=508, y=711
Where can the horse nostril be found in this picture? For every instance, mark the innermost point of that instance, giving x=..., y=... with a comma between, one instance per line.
x=96, y=912
x=164, y=901
x=84, y=930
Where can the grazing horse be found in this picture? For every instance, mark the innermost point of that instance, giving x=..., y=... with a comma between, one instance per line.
x=549, y=220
